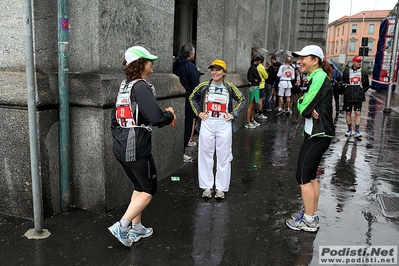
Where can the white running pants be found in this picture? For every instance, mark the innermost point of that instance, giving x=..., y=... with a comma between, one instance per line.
x=215, y=136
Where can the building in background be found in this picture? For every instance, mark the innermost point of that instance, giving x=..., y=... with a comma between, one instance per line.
x=355, y=35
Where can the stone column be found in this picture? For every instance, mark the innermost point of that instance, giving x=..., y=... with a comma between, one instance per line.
x=99, y=33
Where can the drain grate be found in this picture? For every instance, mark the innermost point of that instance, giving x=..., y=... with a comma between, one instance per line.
x=389, y=205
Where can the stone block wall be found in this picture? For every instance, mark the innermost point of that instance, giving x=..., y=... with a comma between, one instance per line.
x=99, y=33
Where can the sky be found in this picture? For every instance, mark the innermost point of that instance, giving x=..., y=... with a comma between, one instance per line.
x=340, y=8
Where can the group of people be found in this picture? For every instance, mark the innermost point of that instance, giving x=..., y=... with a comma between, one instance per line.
x=282, y=84
x=215, y=104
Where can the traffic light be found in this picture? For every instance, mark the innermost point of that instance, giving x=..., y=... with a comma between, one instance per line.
x=363, y=51
x=365, y=41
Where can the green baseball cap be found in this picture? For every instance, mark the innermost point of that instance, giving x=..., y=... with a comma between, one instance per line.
x=136, y=52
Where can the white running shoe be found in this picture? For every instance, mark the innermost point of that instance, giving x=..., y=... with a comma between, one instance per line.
x=207, y=193
x=249, y=125
x=219, y=194
x=192, y=143
x=187, y=159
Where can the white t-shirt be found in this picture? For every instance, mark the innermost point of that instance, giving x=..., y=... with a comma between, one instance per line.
x=217, y=102
x=286, y=74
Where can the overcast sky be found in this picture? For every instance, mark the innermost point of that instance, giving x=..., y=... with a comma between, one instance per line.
x=340, y=8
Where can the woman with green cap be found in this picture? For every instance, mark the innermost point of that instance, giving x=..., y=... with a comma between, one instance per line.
x=135, y=111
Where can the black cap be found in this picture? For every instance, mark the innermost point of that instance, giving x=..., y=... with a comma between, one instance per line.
x=257, y=58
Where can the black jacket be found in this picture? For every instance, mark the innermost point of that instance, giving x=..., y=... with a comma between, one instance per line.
x=272, y=72
x=253, y=75
x=355, y=93
x=187, y=73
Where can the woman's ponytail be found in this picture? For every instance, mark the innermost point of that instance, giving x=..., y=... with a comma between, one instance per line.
x=325, y=65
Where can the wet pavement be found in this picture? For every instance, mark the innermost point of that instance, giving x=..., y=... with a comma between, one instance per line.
x=248, y=226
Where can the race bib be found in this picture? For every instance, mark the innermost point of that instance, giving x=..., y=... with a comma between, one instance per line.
x=355, y=78
x=216, y=102
x=215, y=107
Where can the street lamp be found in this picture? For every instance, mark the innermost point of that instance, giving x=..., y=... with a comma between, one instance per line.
x=364, y=48
x=349, y=29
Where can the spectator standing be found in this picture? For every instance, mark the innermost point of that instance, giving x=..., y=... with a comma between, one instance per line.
x=336, y=80
x=135, y=111
x=286, y=73
x=189, y=75
x=254, y=80
x=273, y=80
x=212, y=102
x=268, y=88
x=296, y=88
x=263, y=75
x=356, y=83
x=316, y=106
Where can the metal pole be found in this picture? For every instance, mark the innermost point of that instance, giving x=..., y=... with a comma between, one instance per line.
x=392, y=70
x=349, y=29
x=289, y=27
x=364, y=47
x=267, y=24
x=63, y=87
x=30, y=82
x=306, y=20
x=281, y=23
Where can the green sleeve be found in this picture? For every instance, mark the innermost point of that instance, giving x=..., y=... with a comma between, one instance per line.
x=316, y=80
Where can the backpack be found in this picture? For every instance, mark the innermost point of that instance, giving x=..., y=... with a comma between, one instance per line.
x=336, y=82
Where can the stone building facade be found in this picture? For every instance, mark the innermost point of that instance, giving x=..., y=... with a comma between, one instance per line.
x=344, y=36
x=99, y=33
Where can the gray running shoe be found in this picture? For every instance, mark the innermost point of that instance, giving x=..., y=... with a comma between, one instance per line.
x=219, y=194
x=207, y=193
x=296, y=215
x=135, y=236
x=301, y=224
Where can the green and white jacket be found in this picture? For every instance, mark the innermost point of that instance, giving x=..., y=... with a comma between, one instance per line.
x=318, y=97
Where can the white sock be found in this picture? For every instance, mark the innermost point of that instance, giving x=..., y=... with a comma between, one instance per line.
x=137, y=227
x=308, y=218
x=124, y=223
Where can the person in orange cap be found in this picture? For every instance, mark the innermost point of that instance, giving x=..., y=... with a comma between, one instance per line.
x=356, y=82
x=212, y=102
